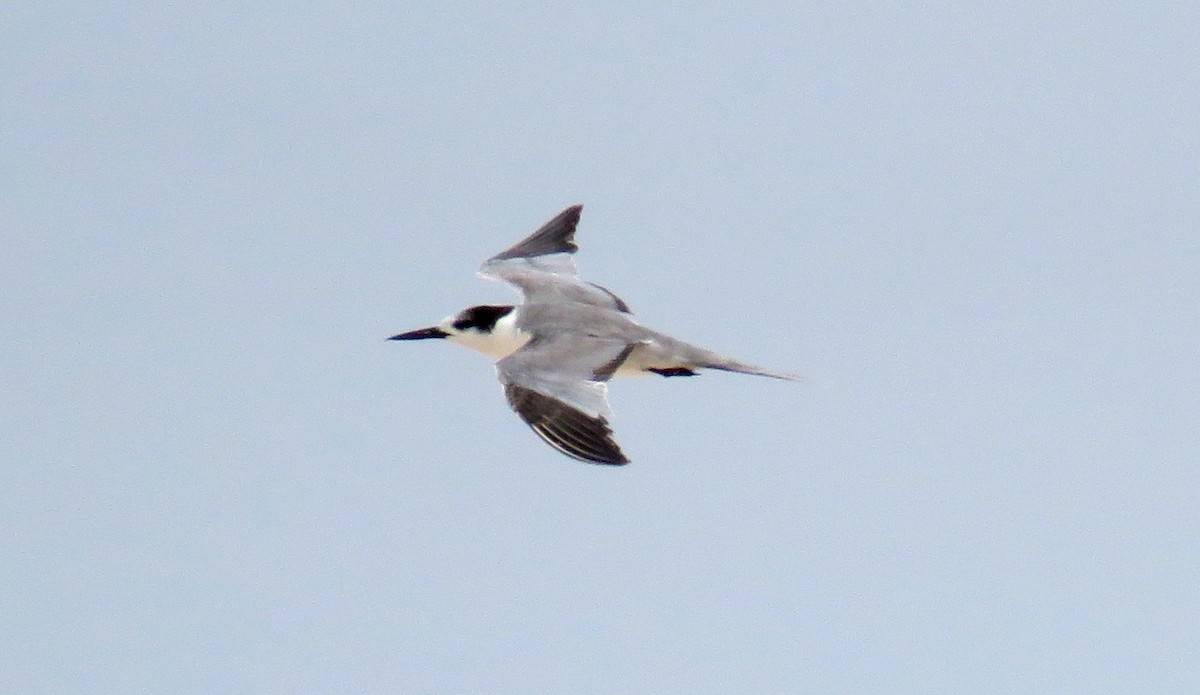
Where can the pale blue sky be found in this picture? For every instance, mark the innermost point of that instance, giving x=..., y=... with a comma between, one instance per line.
x=976, y=226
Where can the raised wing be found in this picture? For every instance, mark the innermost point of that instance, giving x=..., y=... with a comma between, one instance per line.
x=555, y=237
x=541, y=266
x=557, y=387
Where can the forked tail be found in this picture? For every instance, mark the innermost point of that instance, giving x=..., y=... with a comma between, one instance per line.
x=727, y=365
x=711, y=360
x=669, y=356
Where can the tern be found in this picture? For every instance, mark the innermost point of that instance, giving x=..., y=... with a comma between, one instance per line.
x=555, y=351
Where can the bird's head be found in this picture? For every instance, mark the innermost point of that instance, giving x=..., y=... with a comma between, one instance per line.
x=475, y=327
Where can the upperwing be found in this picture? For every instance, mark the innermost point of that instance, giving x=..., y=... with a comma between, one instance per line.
x=542, y=268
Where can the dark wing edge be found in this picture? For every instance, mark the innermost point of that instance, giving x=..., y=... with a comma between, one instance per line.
x=618, y=303
x=570, y=431
x=606, y=371
x=556, y=236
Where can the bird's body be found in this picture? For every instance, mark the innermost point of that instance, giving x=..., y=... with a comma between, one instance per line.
x=653, y=352
x=555, y=351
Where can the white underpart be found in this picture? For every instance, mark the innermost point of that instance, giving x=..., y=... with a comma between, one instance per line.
x=503, y=340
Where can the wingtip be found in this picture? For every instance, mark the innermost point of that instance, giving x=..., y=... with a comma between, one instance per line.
x=616, y=458
x=555, y=236
x=569, y=217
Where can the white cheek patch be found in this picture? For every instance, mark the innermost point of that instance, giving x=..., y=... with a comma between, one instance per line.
x=501, y=342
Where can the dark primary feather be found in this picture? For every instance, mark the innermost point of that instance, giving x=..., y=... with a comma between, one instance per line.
x=571, y=431
x=556, y=236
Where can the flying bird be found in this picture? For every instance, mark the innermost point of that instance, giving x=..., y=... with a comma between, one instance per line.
x=555, y=351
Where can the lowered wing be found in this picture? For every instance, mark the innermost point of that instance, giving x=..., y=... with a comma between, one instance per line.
x=556, y=384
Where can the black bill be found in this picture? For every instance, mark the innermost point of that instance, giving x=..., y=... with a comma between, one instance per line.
x=421, y=334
